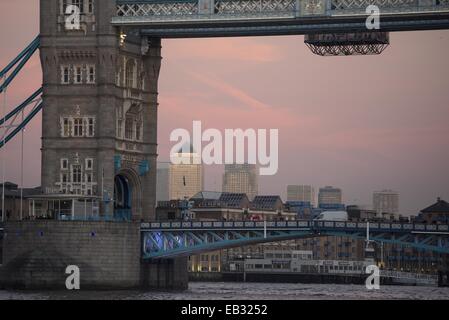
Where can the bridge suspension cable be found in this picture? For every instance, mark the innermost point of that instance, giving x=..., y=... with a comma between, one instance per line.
x=7, y=75
x=22, y=125
x=18, y=63
x=22, y=106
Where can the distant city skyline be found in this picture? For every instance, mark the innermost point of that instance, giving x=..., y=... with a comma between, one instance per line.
x=386, y=201
x=360, y=123
x=185, y=180
x=330, y=195
x=241, y=178
x=163, y=181
x=301, y=193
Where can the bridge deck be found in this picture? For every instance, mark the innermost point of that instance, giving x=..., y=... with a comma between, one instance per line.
x=296, y=225
x=177, y=238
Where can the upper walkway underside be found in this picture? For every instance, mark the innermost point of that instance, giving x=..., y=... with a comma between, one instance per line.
x=218, y=18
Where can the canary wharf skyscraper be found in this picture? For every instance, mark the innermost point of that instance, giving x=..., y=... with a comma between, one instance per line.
x=241, y=178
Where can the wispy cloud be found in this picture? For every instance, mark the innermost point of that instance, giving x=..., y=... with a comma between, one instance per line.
x=229, y=49
x=230, y=90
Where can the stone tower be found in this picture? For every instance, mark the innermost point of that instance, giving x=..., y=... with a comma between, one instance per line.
x=100, y=107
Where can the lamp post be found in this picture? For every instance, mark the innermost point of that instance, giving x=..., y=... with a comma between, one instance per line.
x=3, y=145
x=21, y=169
x=244, y=269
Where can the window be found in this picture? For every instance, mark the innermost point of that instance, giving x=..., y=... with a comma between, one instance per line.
x=64, y=164
x=90, y=6
x=66, y=127
x=131, y=73
x=119, y=128
x=78, y=75
x=78, y=127
x=76, y=190
x=64, y=178
x=76, y=174
x=89, y=164
x=91, y=74
x=78, y=3
x=129, y=128
x=85, y=6
x=119, y=112
x=88, y=177
x=65, y=74
x=90, y=127
x=139, y=130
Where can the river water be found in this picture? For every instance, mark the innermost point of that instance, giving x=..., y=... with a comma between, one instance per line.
x=247, y=291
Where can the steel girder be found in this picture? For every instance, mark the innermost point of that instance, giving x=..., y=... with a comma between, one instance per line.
x=346, y=44
x=166, y=244
x=165, y=240
x=217, y=18
x=428, y=242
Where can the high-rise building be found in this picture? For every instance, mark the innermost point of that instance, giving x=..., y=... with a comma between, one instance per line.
x=386, y=202
x=186, y=180
x=329, y=196
x=304, y=193
x=163, y=181
x=241, y=178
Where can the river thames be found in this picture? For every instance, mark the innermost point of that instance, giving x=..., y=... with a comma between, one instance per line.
x=247, y=291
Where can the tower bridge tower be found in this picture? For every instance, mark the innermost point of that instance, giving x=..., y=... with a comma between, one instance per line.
x=100, y=118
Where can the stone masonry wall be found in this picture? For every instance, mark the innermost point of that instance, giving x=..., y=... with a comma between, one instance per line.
x=36, y=254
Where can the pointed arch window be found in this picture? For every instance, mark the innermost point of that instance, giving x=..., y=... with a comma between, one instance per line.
x=131, y=73
x=76, y=174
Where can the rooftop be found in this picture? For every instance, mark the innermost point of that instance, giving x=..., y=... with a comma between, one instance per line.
x=440, y=206
x=13, y=190
x=233, y=200
x=266, y=202
x=206, y=195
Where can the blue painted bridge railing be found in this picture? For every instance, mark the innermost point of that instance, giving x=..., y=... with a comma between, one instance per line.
x=172, y=239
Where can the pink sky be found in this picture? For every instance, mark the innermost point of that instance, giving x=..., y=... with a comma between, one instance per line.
x=359, y=123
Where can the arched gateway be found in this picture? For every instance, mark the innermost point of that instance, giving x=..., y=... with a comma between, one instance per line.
x=127, y=195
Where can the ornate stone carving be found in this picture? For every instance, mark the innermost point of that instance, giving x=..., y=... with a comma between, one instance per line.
x=76, y=54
